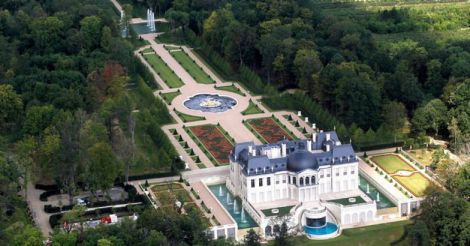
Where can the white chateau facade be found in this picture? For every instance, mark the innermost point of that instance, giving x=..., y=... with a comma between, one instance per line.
x=316, y=178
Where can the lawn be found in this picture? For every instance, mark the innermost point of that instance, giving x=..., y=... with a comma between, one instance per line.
x=193, y=69
x=282, y=211
x=252, y=109
x=384, y=234
x=424, y=156
x=148, y=50
x=189, y=118
x=269, y=130
x=230, y=88
x=164, y=71
x=345, y=201
x=392, y=163
x=216, y=145
x=415, y=183
x=168, y=97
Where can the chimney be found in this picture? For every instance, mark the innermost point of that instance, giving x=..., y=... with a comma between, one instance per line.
x=314, y=126
x=250, y=149
x=327, y=148
x=306, y=119
x=309, y=145
x=299, y=113
x=314, y=137
x=283, y=150
x=254, y=152
x=328, y=137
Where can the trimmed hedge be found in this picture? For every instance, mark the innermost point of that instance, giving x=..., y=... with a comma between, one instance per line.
x=46, y=187
x=46, y=194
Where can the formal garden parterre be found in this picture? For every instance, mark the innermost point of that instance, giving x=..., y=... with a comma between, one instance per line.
x=269, y=130
x=214, y=141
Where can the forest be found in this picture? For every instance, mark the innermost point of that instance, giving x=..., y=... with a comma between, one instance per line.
x=77, y=108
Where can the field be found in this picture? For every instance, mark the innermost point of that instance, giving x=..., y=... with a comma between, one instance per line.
x=193, y=69
x=252, y=109
x=214, y=141
x=392, y=163
x=269, y=130
x=168, y=97
x=424, y=156
x=384, y=234
x=165, y=72
x=415, y=183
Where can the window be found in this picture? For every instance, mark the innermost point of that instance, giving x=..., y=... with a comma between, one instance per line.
x=260, y=182
x=313, y=179
x=284, y=181
x=322, y=176
x=345, y=173
x=301, y=181
x=289, y=179
x=277, y=182
x=294, y=181
x=252, y=183
x=268, y=181
x=328, y=175
x=307, y=181
x=352, y=172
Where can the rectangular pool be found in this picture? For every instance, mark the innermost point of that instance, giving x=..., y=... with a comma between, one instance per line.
x=371, y=191
x=233, y=205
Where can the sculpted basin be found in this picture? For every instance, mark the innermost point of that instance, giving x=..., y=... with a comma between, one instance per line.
x=210, y=103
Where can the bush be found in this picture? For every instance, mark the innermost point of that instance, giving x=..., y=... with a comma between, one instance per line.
x=51, y=209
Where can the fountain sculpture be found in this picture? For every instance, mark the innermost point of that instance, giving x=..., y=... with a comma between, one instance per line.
x=221, y=192
x=368, y=189
x=229, y=202
x=378, y=197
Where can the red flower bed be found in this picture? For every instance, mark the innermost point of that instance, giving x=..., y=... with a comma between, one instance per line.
x=214, y=141
x=269, y=129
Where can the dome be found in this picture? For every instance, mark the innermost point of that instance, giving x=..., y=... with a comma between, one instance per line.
x=301, y=160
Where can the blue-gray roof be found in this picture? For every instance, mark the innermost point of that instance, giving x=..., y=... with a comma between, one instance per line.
x=298, y=158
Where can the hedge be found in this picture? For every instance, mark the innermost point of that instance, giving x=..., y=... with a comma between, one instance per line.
x=46, y=194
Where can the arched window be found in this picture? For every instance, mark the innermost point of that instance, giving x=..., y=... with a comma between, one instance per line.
x=313, y=179
x=307, y=181
x=301, y=181
x=294, y=180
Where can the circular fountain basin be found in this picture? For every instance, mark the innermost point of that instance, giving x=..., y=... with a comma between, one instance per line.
x=210, y=103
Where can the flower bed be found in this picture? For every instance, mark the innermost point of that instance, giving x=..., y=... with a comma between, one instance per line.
x=269, y=129
x=214, y=141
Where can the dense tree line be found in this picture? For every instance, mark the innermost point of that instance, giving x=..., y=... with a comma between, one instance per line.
x=74, y=108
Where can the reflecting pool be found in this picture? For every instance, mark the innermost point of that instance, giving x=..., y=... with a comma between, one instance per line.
x=233, y=206
x=371, y=191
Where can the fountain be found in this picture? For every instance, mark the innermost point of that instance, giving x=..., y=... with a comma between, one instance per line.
x=151, y=20
x=243, y=218
x=228, y=199
x=210, y=103
x=368, y=192
x=235, y=207
x=221, y=191
x=378, y=197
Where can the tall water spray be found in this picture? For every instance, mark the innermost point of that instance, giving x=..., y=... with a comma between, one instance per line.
x=235, y=207
x=243, y=217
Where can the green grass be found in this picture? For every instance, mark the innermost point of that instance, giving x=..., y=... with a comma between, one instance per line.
x=193, y=69
x=189, y=118
x=391, y=163
x=222, y=75
x=282, y=211
x=230, y=88
x=252, y=109
x=164, y=71
x=345, y=201
x=415, y=183
x=168, y=97
x=171, y=47
x=384, y=234
x=148, y=50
